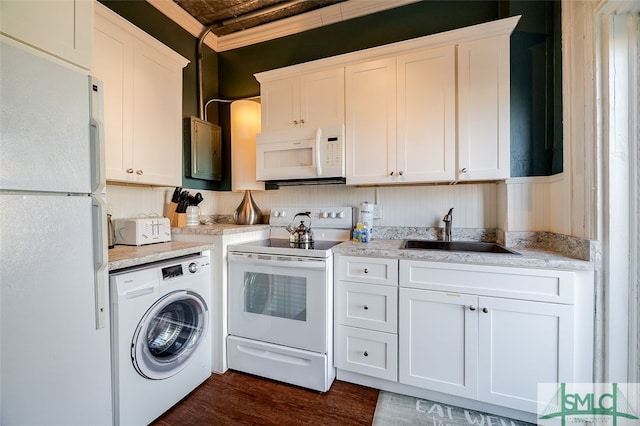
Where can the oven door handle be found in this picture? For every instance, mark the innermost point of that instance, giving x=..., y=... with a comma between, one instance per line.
x=274, y=261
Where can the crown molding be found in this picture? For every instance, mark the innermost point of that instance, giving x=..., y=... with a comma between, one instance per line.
x=473, y=32
x=317, y=18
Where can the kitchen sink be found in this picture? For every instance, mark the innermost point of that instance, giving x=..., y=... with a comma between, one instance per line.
x=473, y=246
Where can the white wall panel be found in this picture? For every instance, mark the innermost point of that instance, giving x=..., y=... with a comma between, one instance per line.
x=475, y=205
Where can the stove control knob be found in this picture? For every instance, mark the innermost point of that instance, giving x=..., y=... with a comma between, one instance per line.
x=283, y=214
x=193, y=267
x=276, y=213
x=333, y=215
x=341, y=215
x=324, y=215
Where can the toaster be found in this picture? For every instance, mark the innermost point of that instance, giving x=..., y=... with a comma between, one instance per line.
x=141, y=231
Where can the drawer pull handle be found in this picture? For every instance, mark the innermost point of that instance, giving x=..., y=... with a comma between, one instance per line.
x=366, y=307
x=366, y=353
x=366, y=271
x=472, y=308
x=485, y=310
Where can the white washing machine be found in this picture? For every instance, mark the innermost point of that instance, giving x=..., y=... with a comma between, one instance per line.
x=161, y=349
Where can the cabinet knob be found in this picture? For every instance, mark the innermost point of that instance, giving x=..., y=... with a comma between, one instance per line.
x=295, y=122
x=366, y=271
x=464, y=170
x=130, y=171
x=472, y=308
x=138, y=172
x=485, y=310
x=391, y=173
x=366, y=353
x=366, y=308
x=401, y=173
x=301, y=121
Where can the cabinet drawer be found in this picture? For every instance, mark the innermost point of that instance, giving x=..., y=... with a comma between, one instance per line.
x=515, y=283
x=367, y=270
x=368, y=306
x=367, y=352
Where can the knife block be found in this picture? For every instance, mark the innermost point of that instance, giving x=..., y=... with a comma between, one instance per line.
x=181, y=220
x=172, y=215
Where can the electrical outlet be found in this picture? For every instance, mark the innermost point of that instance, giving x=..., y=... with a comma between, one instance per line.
x=377, y=211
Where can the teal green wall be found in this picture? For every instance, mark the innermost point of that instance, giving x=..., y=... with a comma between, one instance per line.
x=536, y=110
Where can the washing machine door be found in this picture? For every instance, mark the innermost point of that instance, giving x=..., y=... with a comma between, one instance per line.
x=168, y=334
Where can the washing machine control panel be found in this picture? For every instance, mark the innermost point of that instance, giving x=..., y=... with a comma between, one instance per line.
x=193, y=267
x=173, y=271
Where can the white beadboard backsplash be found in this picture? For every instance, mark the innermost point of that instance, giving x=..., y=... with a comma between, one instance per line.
x=475, y=205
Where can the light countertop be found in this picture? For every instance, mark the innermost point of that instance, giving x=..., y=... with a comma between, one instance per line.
x=528, y=257
x=125, y=256
x=219, y=229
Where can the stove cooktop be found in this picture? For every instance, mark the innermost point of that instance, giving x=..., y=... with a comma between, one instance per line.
x=282, y=246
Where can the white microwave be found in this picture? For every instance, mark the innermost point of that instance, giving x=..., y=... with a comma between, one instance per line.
x=301, y=153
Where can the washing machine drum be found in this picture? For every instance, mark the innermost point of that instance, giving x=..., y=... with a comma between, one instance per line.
x=168, y=334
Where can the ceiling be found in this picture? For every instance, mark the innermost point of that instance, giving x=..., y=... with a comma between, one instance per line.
x=230, y=16
x=230, y=24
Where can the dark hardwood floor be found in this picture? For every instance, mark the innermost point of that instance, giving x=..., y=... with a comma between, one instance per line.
x=236, y=398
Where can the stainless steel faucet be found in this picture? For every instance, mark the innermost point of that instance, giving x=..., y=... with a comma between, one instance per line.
x=448, y=218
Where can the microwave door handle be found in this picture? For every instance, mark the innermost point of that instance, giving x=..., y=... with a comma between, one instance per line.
x=318, y=156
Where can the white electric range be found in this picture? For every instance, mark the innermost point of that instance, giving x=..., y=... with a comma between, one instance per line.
x=281, y=299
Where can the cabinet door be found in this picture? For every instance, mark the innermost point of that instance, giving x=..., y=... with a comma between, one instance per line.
x=522, y=344
x=367, y=352
x=483, y=109
x=113, y=65
x=280, y=104
x=370, y=97
x=157, y=110
x=61, y=28
x=367, y=306
x=427, y=115
x=322, y=98
x=438, y=341
x=369, y=270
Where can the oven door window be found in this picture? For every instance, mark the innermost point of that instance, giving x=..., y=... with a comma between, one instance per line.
x=275, y=295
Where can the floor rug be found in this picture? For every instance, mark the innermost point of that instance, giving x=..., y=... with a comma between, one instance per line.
x=393, y=409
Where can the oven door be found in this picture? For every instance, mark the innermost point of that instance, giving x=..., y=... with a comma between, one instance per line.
x=279, y=299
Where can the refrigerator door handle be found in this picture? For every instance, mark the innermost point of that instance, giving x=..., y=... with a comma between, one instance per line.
x=96, y=136
x=101, y=258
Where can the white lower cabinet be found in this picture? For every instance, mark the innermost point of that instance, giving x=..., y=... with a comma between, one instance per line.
x=367, y=352
x=439, y=341
x=488, y=334
x=492, y=349
x=366, y=311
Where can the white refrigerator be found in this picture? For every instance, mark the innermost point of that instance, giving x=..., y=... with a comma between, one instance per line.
x=54, y=320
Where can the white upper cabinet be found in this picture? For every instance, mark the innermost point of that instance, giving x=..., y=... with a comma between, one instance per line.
x=142, y=103
x=430, y=109
x=61, y=28
x=311, y=100
x=401, y=118
x=426, y=115
x=483, y=109
x=371, y=121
